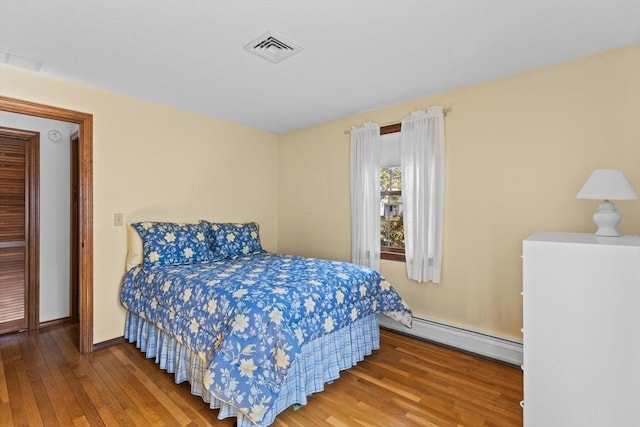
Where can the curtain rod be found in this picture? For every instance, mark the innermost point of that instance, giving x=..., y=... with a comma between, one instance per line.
x=444, y=113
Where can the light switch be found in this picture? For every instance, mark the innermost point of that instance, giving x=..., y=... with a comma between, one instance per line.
x=118, y=219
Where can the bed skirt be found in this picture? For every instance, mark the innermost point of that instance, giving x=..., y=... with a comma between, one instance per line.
x=319, y=362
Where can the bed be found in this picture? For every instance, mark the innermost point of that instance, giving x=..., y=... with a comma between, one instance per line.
x=252, y=332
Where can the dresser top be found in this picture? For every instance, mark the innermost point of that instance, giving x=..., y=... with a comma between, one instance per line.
x=584, y=238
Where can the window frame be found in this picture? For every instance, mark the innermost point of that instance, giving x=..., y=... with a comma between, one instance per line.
x=388, y=252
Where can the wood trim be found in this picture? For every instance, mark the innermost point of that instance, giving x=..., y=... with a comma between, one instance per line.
x=392, y=128
x=109, y=343
x=392, y=254
x=33, y=239
x=85, y=230
x=12, y=326
x=56, y=322
x=85, y=122
x=21, y=134
x=74, y=142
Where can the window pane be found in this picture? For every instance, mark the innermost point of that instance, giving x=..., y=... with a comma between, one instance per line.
x=384, y=231
x=395, y=178
x=385, y=179
x=391, y=212
x=396, y=232
x=395, y=200
x=384, y=204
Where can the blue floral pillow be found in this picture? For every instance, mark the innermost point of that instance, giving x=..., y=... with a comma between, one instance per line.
x=233, y=240
x=167, y=243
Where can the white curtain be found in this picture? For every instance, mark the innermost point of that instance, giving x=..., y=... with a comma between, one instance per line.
x=422, y=163
x=365, y=195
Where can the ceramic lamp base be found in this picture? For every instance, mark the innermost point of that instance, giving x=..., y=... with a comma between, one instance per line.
x=607, y=219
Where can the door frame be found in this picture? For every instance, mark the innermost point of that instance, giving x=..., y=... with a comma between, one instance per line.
x=74, y=142
x=32, y=222
x=85, y=203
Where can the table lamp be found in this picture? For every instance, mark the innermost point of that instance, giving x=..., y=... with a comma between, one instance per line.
x=607, y=185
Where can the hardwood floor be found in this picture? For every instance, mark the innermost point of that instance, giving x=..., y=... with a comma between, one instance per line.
x=44, y=381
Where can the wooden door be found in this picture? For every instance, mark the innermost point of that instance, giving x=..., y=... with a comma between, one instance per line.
x=18, y=230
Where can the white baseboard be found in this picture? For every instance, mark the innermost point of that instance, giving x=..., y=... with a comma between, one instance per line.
x=475, y=342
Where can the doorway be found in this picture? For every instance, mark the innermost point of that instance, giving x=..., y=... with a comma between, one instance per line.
x=85, y=205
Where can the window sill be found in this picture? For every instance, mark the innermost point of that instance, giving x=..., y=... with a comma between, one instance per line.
x=392, y=256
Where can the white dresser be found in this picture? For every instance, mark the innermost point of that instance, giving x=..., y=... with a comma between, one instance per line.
x=581, y=330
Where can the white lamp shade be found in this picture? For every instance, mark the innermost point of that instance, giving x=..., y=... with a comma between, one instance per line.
x=607, y=184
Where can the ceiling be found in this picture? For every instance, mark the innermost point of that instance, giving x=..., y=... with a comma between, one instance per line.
x=357, y=55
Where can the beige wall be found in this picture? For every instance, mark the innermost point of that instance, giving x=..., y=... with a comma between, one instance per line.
x=517, y=151
x=158, y=163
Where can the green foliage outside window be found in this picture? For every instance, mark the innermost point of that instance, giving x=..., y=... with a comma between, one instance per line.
x=392, y=232
x=391, y=220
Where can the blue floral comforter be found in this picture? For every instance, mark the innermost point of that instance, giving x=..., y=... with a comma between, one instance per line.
x=249, y=316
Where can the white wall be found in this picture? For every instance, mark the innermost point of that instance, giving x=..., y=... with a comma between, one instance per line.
x=54, y=211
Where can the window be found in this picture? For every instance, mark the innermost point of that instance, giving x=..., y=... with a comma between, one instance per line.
x=377, y=189
x=391, y=211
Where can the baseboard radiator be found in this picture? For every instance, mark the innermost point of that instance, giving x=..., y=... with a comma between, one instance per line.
x=466, y=340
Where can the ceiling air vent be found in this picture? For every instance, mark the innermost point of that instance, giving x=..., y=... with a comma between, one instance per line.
x=272, y=47
x=20, y=61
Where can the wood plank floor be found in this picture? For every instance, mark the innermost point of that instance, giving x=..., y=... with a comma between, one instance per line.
x=44, y=381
